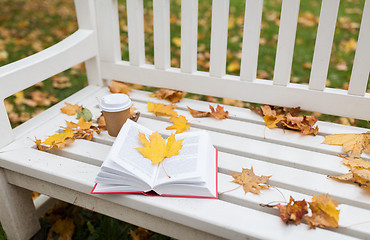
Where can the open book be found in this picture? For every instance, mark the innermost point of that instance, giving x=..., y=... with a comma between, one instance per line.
x=191, y=173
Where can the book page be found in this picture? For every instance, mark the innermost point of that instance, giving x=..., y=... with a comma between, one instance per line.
x=184, y=167
x=124, y=152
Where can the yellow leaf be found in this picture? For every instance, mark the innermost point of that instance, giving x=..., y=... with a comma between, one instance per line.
x=173, y=147
x=352, y=143
x=324, y=212
x=64, y=228
x=271, y=121
x=70, y=109
x=59, y=140
x=176, y=41
x=168, y=94
x=233, y=66
x=156, y=149
x=180, y=124
x=19, y=98
x=358, y=163
x=162, y=109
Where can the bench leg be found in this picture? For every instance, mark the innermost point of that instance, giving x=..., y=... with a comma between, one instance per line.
x=17, y=211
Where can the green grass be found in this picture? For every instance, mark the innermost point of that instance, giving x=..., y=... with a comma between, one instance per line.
x=29, y=26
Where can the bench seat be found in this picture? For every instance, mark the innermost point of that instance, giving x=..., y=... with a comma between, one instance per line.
x=299, y=166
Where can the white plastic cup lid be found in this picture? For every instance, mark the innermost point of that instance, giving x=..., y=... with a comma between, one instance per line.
x=115, y=102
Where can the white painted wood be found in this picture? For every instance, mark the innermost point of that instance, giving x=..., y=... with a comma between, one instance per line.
x=135, y=23
x=189, y=35
x=251, y=38
x=17, y=212
x=161, y=28
x=361, y=65
x=108, y=27
x=219, y=30
x=337, y=101
x=324, y=43
x=78, y=47
x=286, y=40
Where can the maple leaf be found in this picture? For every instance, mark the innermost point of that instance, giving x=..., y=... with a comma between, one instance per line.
x=324, y=212
x=162, y=109
x=293, y=211
x=81, y=124
x=180, y=124
x=272, y=121
x=249, y=181
x=70, y=109
x=361, y=177
x=198, y=114
x=156, y=148
x=119, y=87
x=352, y=143
x=219, y=113
x=168, y=94
x=60, y=140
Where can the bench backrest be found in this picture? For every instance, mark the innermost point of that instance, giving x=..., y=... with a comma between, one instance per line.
x=97, y=42
x=314, y=96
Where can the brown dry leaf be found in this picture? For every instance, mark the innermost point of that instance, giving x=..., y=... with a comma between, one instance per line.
x=219, y=113
x=61, y=82
x=70, y=109
x=249, y=181
x=162, y=109
x=119, y=87
x=357, y=163
x=233, y=102
x=324, y=212
x=101, y=122
x=352, y=143
x=168, y=94
x=180, y=124
x=156, y=149
x=198, y=114
x=64, y=228
x=361, y=177
x=284, y=118
x=293, y=212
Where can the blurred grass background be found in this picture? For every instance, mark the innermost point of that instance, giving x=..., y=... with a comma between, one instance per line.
x=27, y=27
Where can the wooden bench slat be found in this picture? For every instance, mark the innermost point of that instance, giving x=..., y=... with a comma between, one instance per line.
x=286, y=40
x=135, y=24
x=161, y=28
x=251, y=40
x=189, y=35
x=361, y=66
x=323, y=45
x=219, y=30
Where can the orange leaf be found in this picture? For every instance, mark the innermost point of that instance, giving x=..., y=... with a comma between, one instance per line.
x=161, y=109
x=168, y=94
x=71, y=109
x=249, y=181
x=119, y=87
x=198, y=114
x=219, y=113
x=324, y=212
x=180, y=124
x=293, y=212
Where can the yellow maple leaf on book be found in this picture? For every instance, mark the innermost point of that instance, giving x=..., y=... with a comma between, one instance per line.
x=156, y=149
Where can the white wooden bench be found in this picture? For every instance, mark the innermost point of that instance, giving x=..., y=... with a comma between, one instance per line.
x=299, y=165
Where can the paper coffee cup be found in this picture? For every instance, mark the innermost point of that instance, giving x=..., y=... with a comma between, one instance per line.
x=116, y=110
